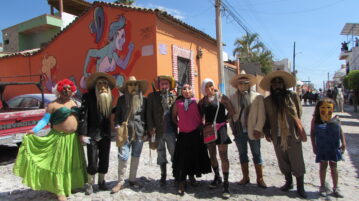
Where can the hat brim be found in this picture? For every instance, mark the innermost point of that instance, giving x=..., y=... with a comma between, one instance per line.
x=169, y=78
x=143, y=85
x=252, y=79
x=289, y=79
x=90, y=82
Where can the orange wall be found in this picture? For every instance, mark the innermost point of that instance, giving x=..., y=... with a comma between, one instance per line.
x=65, y=56
x=169, y=35
x=70, y=49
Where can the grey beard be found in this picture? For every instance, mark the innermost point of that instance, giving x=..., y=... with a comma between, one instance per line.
x=136, y=102
x=104, y=103
x=165, y=101
x=245, y=99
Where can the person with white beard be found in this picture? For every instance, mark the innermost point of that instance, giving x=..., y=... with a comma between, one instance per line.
x=130, y=112
x=95, y=127
x=247, y=124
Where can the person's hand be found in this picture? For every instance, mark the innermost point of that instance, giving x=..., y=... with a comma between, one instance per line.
x=256, y=134
x=268, y=138
x=30, y=132
x=303, y=138
x=82, y=139
x=315, y=150
x=342, y=148
x=152, y=132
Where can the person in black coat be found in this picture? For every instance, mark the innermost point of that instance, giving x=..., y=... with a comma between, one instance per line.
x=95, y=127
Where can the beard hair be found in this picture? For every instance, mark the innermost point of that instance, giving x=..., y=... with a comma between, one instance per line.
x=104, y=102
x=136, y=102
x=279, y=97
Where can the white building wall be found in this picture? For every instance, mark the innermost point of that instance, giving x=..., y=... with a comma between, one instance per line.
x=354, y=59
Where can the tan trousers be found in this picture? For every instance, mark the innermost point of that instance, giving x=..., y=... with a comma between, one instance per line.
x=291, y=160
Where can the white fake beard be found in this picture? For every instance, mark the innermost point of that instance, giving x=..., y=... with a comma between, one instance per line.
x=136, y=102
x=104, y=102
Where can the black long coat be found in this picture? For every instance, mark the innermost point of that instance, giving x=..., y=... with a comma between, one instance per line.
x=91, y=122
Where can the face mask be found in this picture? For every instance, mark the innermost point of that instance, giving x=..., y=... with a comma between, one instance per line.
x=326, y=111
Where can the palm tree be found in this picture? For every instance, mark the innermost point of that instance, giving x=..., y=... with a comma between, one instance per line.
x=247, y=47
x=250, y=50
x=124, y=2
x=265, y=58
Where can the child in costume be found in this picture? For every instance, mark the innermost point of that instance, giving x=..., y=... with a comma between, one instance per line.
x=328, y=143
x=55, y=162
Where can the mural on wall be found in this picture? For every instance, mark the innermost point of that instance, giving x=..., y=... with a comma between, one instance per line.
x=111, y=58
x=48, y=70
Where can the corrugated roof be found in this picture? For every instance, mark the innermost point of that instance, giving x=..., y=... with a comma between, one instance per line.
x=162, y=15
x=350, y=29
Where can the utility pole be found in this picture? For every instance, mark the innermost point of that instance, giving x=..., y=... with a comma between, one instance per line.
x=294, y=59
x=219, y=46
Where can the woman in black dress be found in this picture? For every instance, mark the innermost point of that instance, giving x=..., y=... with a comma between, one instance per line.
x=208, y=107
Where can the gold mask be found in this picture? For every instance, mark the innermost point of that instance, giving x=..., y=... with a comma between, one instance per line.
x=326, y=111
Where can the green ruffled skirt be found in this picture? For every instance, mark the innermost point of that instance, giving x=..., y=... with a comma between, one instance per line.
x=54, y=163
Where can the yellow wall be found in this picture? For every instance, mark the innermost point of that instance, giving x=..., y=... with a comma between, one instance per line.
x=169, y=35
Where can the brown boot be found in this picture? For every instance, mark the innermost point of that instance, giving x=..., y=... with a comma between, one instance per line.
x=245, y=172
x=259, y=172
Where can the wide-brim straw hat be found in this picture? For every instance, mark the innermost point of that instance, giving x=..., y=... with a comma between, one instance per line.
x=289, y=79
x=90, y=82
x=142, y=84
x=235, y=80
x=166, y=77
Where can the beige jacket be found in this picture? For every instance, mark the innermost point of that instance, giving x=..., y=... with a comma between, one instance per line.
x=256, y=116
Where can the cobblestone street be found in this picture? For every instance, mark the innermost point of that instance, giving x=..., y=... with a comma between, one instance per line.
x=149, y=173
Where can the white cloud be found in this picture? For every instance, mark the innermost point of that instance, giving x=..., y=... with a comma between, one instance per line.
x=174, y=12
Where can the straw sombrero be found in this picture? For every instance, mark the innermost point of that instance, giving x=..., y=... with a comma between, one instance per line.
x=252, y=79
x=166, y=77
x=90, y=82
x=289, y=79
x=143, y=84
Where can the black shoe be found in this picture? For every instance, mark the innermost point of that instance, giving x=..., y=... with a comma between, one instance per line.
x=288, y=183
x=181, y=187
x=300, y=187
x=192, y=181
x=163, y=181
x=215, y=182
x=103, y=186
x=226, y=194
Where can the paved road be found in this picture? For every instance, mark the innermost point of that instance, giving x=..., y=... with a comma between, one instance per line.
x=12, y=189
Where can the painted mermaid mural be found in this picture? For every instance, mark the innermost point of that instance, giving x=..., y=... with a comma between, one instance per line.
x=109, y=57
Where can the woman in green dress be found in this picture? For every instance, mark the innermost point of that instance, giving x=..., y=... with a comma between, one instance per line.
x=55, y=162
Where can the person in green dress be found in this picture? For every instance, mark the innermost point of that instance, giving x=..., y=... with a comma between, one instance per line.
x=55, y=162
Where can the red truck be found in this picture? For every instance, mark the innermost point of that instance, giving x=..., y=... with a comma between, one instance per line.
x=16, y=121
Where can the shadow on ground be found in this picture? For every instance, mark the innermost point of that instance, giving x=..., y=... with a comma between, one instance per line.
x=353, y=149
x=8, y=154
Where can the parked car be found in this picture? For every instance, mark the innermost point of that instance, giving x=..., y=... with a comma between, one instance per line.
x=32, y=101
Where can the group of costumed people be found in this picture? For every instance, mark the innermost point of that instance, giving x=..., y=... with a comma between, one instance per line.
x=191, y=130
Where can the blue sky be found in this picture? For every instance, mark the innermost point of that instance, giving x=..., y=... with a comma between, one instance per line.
x=314, y=25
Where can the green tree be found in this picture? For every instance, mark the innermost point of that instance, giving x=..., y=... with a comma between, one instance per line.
x=250, y=50
x=124, y=2
x=353, y=78
x=346, y=82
